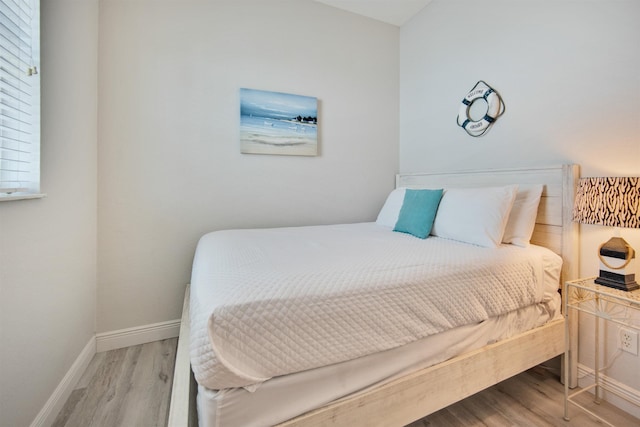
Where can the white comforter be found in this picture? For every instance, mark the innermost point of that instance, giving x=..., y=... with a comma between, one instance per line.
x=271, y=302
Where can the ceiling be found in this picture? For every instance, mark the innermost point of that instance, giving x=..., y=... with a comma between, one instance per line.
x=395, y=12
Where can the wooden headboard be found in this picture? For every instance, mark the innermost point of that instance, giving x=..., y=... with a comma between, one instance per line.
x=554, y=226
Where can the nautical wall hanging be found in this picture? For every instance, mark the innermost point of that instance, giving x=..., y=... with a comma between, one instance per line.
x=495, y=108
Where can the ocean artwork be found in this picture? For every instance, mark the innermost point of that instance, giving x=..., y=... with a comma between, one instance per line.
x=278, y=123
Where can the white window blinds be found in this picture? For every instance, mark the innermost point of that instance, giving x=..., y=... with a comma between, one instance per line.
x=19, y=97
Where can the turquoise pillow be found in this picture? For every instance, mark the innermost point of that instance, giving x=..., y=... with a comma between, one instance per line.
x=418, y=212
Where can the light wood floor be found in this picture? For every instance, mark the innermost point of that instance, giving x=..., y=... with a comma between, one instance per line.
x=128, y=387
x=131, y=387
x=533, y=398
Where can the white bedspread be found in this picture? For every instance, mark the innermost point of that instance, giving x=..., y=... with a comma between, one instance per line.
x=271, y=302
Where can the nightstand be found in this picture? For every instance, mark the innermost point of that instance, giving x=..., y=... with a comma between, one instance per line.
x=584, y=295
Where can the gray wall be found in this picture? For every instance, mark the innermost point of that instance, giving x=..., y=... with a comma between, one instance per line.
x=48, y=246
x=166, y=95
x=567, y=70
x=170, y=167
x=569, y=75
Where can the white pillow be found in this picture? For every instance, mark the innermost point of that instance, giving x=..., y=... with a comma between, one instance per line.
x=522, y=218
x=389, y=213
x=474, y=215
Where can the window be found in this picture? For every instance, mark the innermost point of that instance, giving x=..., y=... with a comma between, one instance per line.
x=19, y=98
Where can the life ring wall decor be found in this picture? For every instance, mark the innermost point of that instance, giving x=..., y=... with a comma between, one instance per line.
x=495, y=108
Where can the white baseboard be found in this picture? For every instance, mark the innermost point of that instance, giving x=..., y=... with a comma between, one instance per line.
x=101, y=342
x=106, y=341
x=50, y=410
x=627, y=399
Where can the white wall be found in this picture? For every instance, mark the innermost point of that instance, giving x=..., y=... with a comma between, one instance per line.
x=170, y=167
x=48, y=246
x=567, y=70
x=568, y=74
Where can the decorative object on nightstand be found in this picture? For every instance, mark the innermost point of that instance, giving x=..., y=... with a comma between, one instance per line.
x=615, y=202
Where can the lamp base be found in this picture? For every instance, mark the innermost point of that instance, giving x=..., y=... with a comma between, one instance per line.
x=624, y=282
x=616, y=269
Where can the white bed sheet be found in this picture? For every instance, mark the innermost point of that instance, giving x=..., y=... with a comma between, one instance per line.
x=286, y=397
x=263, y=308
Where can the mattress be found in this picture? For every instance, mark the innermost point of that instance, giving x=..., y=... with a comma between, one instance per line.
x=286, y=397
x=268, y=303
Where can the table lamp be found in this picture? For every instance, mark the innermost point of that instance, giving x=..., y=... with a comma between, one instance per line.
x=615, y=202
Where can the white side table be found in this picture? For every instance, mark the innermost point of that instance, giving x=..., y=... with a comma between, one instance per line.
x=584, y=295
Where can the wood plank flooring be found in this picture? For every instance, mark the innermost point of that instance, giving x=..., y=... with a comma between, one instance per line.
x=126, y=387
x=533, y=398
x=131, y=387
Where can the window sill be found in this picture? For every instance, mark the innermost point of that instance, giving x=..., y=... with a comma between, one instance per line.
x=12, y=197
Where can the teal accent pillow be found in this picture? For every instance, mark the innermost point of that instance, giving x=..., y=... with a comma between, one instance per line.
x=418, y=212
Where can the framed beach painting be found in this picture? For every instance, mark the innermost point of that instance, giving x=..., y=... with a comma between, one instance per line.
x=278, y=123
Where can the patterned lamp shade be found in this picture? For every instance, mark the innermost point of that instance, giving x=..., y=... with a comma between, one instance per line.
x=612, y=201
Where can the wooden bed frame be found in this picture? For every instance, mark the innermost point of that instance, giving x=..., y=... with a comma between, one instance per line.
x=421, y=393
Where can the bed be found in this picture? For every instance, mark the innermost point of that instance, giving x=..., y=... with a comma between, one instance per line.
x=365, y=384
